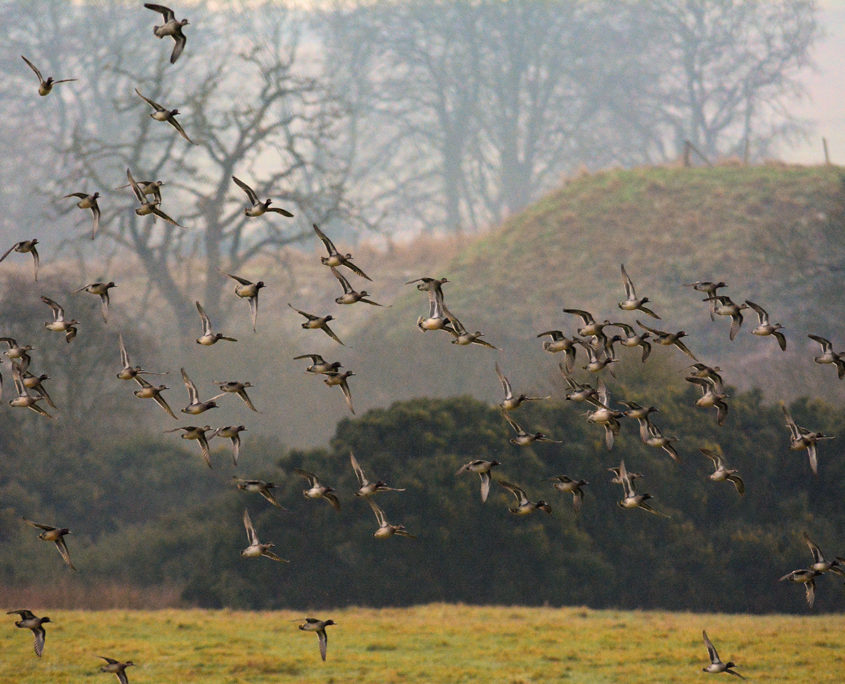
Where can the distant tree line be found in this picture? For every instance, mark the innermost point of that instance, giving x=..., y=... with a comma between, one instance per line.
x=468, y=111
x=717, y=552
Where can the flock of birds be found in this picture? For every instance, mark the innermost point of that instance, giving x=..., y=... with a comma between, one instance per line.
x=592, y=339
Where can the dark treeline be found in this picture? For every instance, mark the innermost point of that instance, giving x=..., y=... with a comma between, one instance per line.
x=156, y=514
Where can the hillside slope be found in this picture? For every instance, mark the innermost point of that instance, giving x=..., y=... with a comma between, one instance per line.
x=773, y=233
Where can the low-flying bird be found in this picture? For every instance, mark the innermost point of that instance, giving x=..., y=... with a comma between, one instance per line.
x=246, y=289
x=350, y=295
x=166, y=115
x=59, y=322
x=87, y=201
x=631, y=499
x=198, y=434
x=577, y=391
x=764, y=328
x=709, y=288
x=599, y=357
x=716, y=665
x=591, y=327
x=258, y=487
x=256, y=549
x=316, y=490
x=637, y=412
x=802, y=438
x=807, y=577
x=208, y=336
x=150, y=391
x=438, y=317
x=386, y=529
x=632, y=302
x=195, y=406
x=829, y=356
x=725, y=306
x=617, y=477
x=232, y=432
x=128, y=371
x=258, y=207
x=427, y=284
x=36, y=384
x=171, y=27
x=338, y=379
x=335, y=258
x=722, y=472
x=464, y=337
x=152, y=188
x=55, y=535
x=710, y=397
x=317, y=322
x=563, y=483
x=102, y=291
x=604, y=415
x=820, y=565
x=523, y=505
x=17, y=354
x=116, y=668
x=24, y=247
x=319, y=626
x=511, y=401
x=523, y=438
x=631, y=339
x=45, y=85
x=710, y=373
x=24, y=399
x=318, y=364
x=365, y=487
x=239, y=389
x=146, y=208
x=668, y=339
x=653, y=436
x=560, y=343
x=30, y=621
x=483, y=468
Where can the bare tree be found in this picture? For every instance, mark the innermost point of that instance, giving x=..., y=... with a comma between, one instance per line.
x=722, y=71
x=253, y=102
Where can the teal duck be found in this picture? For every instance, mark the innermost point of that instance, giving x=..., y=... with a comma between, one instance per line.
x=319, y=626
x=171, y=27
x=24, y=247
x=30, y=621
x=632, y=302
x=160, y=113
x=256, y=549
x=55, y=535
x=45, y=85
x=257, y=207
x=716, y=665
x=483, y=468
x=102, y=291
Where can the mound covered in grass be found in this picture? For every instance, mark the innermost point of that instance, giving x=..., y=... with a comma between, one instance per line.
x=772, y=233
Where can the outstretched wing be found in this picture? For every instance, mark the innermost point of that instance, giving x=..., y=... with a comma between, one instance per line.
x=250, y=193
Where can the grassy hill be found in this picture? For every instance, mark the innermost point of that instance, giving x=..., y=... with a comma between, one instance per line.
x=773, y=233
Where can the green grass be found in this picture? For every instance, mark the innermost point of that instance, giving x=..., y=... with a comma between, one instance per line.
x=434, y=643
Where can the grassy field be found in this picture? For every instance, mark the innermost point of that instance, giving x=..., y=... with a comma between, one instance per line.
x=434, y=643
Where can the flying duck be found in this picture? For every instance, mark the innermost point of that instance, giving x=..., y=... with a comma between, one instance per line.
x=171, y=27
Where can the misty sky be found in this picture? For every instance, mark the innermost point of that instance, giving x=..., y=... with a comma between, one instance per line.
x=825, y=106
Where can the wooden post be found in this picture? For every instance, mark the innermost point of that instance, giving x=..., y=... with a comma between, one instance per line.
x=688, y=146
x=826, y=153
